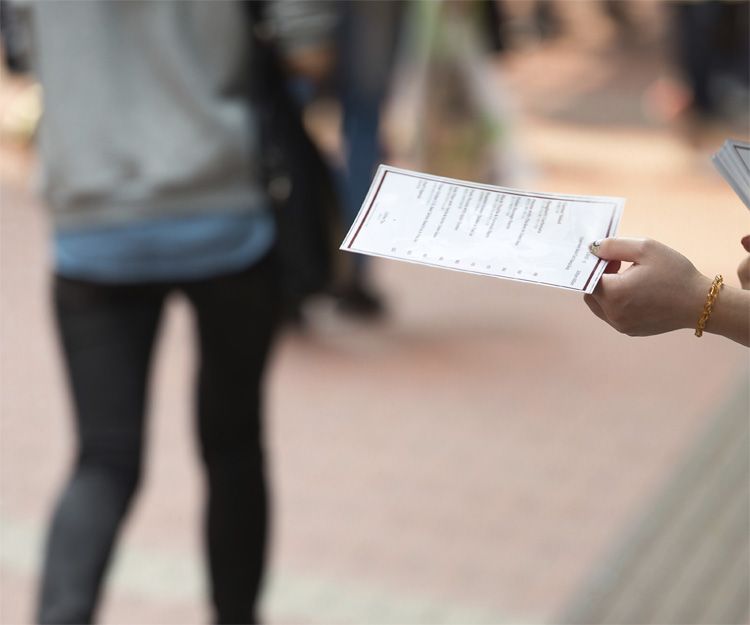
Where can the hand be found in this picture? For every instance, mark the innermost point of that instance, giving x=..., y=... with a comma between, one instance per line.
x=312, y=63
x=661, y=291
x=743, y=271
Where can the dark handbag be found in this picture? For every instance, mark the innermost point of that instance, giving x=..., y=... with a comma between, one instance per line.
x=297, y=177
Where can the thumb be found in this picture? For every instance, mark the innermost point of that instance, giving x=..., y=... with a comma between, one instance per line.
x=629, y=250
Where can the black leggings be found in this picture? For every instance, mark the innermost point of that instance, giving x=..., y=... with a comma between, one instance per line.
x=107, y=334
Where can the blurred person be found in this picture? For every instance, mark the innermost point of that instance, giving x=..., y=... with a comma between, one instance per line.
x=151, y=165
x=368, y=32
x=663, y=291
x=462, y=121
x=712, y=43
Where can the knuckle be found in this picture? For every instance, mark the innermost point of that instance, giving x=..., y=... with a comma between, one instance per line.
x=646, y=245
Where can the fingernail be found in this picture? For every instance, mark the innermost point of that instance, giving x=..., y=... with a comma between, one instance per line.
x=594, y=247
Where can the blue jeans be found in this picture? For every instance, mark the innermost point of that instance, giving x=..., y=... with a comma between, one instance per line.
x=367, y=42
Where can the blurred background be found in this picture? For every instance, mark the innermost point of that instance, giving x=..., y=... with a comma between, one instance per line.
x=447, y=448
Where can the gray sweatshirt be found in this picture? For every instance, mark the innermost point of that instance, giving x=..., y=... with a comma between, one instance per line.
x=145, y=105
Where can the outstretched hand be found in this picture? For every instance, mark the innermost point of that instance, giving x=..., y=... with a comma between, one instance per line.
x=661, y=291
x=743, y=271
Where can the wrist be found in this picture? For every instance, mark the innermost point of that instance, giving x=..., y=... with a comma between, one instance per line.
x=695, y=298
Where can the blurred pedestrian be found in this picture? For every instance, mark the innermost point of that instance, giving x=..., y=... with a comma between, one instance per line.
x=663, y=291
x=712, y=43
x=151, y=165
x=368, y=32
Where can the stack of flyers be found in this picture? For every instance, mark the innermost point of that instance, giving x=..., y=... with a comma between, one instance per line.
x=733, y=163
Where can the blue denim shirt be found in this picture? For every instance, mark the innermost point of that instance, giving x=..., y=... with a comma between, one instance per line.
x=164, y=249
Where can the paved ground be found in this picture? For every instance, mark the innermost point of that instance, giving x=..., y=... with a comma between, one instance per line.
x=467, y=461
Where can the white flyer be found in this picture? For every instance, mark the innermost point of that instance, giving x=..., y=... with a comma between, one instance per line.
x=733, y=163
x=540, y=238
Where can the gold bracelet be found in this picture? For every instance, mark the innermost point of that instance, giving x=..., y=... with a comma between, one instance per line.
x=708, y=307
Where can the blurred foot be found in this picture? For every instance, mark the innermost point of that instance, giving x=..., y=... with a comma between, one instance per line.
x=360, y=301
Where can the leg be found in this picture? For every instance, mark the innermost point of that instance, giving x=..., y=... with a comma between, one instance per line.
x=696, y=26
x=107, y=334
x=236, y=317
x=367, y=43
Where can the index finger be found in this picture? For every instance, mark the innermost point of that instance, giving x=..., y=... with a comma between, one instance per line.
x=622, y=248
